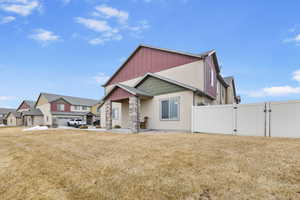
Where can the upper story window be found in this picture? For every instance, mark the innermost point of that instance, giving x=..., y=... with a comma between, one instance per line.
x=77, y=107
x=115, y=113
x=61, y=107
x=212, y=75
x=84, y=108
x=169, y=108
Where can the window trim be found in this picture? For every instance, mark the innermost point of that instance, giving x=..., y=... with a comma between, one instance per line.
x=58, y=107
x=160, y=108
x=212, y=81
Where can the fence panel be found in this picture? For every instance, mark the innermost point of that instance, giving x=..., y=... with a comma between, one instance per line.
x=251, y=119
x=213, y=119
x=285, y=119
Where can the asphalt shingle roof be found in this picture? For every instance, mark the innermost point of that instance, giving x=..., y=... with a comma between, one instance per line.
x=72, y=100
x=32, y=112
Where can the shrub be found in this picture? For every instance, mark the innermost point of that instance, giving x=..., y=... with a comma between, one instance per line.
x=117, y=126
x=83, y=127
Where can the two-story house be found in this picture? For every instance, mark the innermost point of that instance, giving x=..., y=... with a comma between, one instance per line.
x=160, y=86
x=59, y=109
x=3, y=114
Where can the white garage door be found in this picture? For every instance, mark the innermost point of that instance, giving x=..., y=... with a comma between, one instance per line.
x=62, y=121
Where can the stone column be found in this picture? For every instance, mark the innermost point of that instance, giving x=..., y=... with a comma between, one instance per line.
x=108, y=115
x=134, y=112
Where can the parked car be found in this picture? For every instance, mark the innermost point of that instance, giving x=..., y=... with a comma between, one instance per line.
x=76, y=122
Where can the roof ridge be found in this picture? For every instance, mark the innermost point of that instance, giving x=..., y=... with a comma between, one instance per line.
x=60, y=95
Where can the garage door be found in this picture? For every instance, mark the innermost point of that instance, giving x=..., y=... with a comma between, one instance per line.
x=62, y=121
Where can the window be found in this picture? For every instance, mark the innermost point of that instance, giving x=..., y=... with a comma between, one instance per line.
x=211, y=77
x=61, y=107
x=98, y=109
x=169, y=109
x=115, y=113
x=77, y=107
x=84, y=107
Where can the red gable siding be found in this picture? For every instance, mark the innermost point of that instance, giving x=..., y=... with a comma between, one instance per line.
x=209, y=65
x=54, y=106
x=118, y=94
x=149, y=60
x=24, y=106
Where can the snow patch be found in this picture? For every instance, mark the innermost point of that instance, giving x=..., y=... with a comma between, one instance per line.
x=36, y=128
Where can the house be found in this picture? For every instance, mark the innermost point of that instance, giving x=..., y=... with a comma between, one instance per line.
x=25, y=115
x=3, y=114
x=59, y=109
x=159, y=87
x=96, y=110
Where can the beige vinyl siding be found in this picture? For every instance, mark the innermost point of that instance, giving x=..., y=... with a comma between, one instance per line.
x=151, y=109
x=191, y=74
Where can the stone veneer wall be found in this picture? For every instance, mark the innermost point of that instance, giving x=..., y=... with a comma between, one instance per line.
x=108, y=115
x=134, y=114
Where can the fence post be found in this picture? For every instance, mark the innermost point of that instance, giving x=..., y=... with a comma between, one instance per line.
x=192, y=124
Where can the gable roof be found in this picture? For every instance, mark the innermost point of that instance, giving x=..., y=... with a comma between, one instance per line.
x=72, y=100
x=16, y=114
x=166, y=80
x=229, y=80
x=200, y=56
x=129, y=89
x=30, y=103
x=32, y=112
x=183, y=85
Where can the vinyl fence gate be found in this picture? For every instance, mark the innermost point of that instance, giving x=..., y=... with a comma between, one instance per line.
x=269, y=119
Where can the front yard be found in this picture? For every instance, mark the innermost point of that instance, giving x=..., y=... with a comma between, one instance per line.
x=83, y=165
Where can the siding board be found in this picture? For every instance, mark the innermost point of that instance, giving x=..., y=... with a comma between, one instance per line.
x=155, y=87
x=149, y=60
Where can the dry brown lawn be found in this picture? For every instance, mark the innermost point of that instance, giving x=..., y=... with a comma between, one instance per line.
x=70, y=164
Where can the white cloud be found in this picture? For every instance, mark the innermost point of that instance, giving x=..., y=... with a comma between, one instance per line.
x=20, y=7
x=277, y=90
x=111, y=24
x=44, y=36
x=8, y=19
x=110, y=12
x=101, y=78
x=93, y=24
x=295, y=39
x=296, y=75
x=5, y=98
x=274, y=91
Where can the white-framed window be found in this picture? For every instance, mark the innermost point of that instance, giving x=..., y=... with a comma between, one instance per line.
x=115, y=113
x=84, y=107
x=77, y=107
x=61, y=107
x=212, y=77
x=170, y=108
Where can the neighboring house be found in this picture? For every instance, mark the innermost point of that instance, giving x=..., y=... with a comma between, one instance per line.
x=3, y=114
x=25, y=115
x=163, y=85
x=59, y=109
x=96, y=110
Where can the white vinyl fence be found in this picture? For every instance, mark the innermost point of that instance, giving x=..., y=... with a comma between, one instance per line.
x=274, y=119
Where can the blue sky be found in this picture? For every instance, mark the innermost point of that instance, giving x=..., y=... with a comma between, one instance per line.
x=71, y=46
